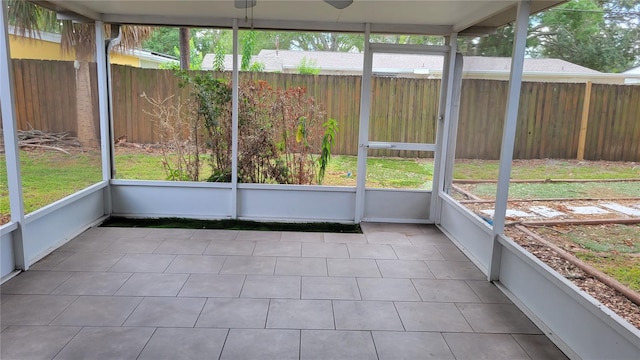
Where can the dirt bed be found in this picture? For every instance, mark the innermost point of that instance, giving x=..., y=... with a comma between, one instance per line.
x=615, y=301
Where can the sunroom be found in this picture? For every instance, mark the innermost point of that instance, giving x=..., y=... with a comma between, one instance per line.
x=298, y=312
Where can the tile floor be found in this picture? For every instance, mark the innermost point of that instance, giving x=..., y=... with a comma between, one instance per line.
x=395, y=292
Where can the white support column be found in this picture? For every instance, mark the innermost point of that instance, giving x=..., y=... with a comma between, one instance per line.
x=442, y=132
x=509, y=134
x=453, y=124
x=12, y=154
x=363, y=132
x=234, y=124
x=103, y=111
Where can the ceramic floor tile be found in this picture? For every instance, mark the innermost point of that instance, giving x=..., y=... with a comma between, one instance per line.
x=302, y=237
x=33, y=309
x=230, y=247
x=106, y=343
x=393, y=345
x=98, y=311
x=50, y=340
x=170, y=233
x=371, y=251
x=134, y=245
x=353, y=267
x=166, y=312
x=417, y=252
x=151, y=284
x=330, y=288
x=390, y=238
x=89, y=261
x=301, y=266
x=441, y=317
x=196, y=264
x=325, y=250
x=143, y=263
x=184, y=344
x=485, y=347
x=209, y=285
x=327, y=344
x=429, y=239
x=497, y=318
x=51, y=261
x=274, y=287
x=345, y=238
x=182, y=247
x=217, y=235
x=35, y=282
x=404, y=269
x=366, y=315
x=87, y=244
x=300, y=314
x=249, y=265
x=259, y=235
x=487, y=292
x=445, y=290
x=277, y=249
x=234, y=313
x=539, y=347
x=387, y=289
x=451, y=252
x=455, y=270
x=264, y=344
x=92, y=283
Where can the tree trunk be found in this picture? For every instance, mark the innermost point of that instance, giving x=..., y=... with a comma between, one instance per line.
x=184, y=49
x=87, y=132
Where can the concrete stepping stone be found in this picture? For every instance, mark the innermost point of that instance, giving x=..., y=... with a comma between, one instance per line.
x=546, y=211
x=510, y=212
x=587, y=210
x=622, y=209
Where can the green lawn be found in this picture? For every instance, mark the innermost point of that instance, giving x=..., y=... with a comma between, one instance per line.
x=558, y=190
x=49, y=175
x=613, y=249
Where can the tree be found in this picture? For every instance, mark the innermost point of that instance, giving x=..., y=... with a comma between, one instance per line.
x=598, y=34
x=29, y=19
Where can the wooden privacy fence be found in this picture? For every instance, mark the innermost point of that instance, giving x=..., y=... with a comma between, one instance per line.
x=45, y=95
x=552, y=122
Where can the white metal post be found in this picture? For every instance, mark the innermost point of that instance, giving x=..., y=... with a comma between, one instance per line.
x=509, y=134
x=453, y=125
x=103, y=111
x=443, y=124
x=234, y=124
x=363, y=127
x=12, y=154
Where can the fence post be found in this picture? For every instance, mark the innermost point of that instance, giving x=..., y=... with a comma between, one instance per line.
x=584, y=122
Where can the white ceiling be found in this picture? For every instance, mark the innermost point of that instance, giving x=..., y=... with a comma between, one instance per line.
x=419, y=16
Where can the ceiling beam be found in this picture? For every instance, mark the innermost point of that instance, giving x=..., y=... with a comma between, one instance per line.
x=276, y=24
x=68, y=7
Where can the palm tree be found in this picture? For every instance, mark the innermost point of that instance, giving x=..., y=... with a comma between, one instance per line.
x=29, y=19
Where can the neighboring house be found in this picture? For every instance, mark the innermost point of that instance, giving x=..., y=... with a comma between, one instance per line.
x=430, y=66
x=633, y=75
x=47, y=47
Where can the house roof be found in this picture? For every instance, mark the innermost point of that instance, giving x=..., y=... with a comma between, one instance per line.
x=147, y=55
x=633, y=71
x=437, y=17
x=283, y=60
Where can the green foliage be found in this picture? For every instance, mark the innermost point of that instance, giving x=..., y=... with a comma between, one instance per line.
x=599, y=34
x=248, y=46
x=308, y=67
x=219, y=53
x=281, y=130
x=330, y=133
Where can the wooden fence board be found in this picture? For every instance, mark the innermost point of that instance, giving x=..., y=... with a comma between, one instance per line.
x=403, y=109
